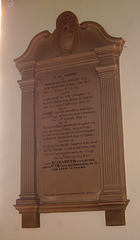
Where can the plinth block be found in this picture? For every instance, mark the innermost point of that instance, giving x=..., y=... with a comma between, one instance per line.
x=115, y=217
x=30, y=220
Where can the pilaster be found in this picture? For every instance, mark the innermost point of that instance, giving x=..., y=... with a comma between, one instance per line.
x=28, y=197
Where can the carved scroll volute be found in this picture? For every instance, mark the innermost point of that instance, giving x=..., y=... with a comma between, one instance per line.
x=28, y=196
x=113, y=178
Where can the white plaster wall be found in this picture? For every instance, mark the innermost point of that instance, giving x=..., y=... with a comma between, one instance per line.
x=19, y=25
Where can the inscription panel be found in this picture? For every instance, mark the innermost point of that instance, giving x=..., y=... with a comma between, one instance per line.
x=68, y=136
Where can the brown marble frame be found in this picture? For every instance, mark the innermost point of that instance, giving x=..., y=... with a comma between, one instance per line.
x=102, y=52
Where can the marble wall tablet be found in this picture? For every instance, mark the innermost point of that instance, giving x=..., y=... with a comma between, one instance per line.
x=72, y=146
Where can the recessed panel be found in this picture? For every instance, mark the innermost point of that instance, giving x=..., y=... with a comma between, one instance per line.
x=68, y=136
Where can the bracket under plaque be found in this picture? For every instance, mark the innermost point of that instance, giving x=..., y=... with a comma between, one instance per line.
x=72, y=156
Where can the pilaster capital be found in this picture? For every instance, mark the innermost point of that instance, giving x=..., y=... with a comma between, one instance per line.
x=109, y=54
x=28, y=85
x=27, y=69
x=107, y=71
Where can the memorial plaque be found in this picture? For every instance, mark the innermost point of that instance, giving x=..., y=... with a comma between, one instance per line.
x=72, y=145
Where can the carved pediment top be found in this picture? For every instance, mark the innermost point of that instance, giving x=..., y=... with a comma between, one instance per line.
x=66, y=22
x=70, y=37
